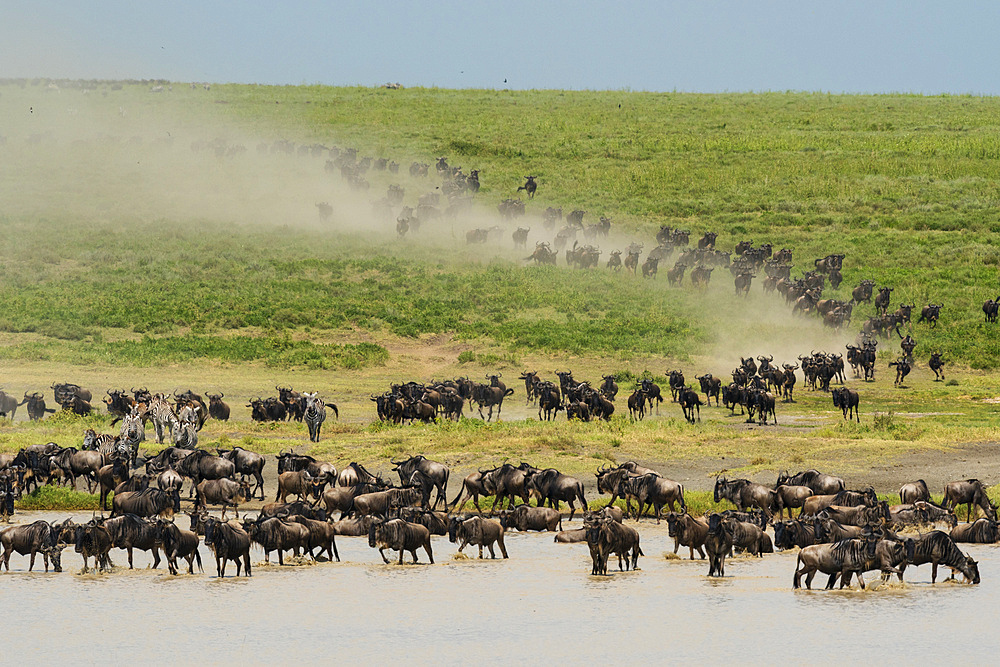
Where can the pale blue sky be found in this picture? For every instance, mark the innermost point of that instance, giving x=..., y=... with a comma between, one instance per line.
x=844, y=46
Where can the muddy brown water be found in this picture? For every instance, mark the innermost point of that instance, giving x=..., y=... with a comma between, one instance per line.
x=538, y=606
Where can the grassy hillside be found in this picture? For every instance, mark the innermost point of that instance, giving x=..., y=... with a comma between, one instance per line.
x=126, y=246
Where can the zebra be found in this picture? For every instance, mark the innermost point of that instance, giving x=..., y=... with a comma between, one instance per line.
x=314, y=415
x=163, y=416
x=104, y=443
x=132, y=433
x=184, y=431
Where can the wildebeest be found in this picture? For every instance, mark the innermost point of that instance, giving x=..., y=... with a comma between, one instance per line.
x=744, y=494
x=229, y=542
x=930, y=313
x=718, y=545
x=911, y=492
x=936, y=364
x=178, y=543
x=300, y=483
x=552, y=486
x=277, y=534
x=433, y=475
x=710, y=386
x=842, y=558
x=30, y=540
x=605, y=536
x=75, y=463
x=146, y=503
x=687, y=531
x=789, y=496
x=794, y=533
x=93, y=540
x=322, y=536
x=36, y=406
x=380, y=502
x=200, y=465
x=217, y=409
x=980, y=531
x=130, y=532
x=847, y=400
x=245, y=464
x=526, y=517
x=400, y=536
x=937, y=548
x=655, y=491
x=225, y=492
x=990, y=309
x=969, y=492
x=859, y=515
x=478, y=532
x=689, y=400
x=819, y=482
x=815, y=504
x=529, y=187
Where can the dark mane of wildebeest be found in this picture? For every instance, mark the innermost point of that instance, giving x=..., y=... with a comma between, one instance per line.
x=687, y=531
x=980, y=531
x=744, y=494
x=247, y=464
x=937, y=548
x=794, y=533
x=476, y=531
x=400, y=536
x=30, y=540
x=843, y=558
x=322, y=536
x=129, y=532
x=553, y=486
x=229, y=542
x=911, y=492
x=146, y=503
x=178, y=543
x=525, y=517
x=433, y=475
x=968, y=492
x=201, y=465
x=819, y=482
x=93, y=539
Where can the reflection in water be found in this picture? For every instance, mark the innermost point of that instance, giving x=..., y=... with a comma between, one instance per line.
x=542, y=604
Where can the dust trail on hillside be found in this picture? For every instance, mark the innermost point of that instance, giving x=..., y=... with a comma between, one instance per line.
x=112, y=155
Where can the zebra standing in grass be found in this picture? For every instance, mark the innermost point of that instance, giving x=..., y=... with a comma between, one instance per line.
x=184, y=431
x=315, y=414
x=162, y=415
x=104, y=443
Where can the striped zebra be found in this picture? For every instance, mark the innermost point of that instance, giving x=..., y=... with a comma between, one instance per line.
x=162, y=415
x=184, y=431
x=132, y=433
x=104, y=443
x=315, y=414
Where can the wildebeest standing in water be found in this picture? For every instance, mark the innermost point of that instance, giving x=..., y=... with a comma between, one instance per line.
x=400, y=536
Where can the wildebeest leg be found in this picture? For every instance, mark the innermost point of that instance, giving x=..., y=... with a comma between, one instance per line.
x=246, y=564
x=481, y=551
x=934, y=566
x=129, y=550
x=381, y=552
x=430, y=554
x=503, y=548
x=402, y=551
x=333, y=545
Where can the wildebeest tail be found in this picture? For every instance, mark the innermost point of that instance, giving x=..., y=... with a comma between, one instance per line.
x=508, y=392
x=683, y=504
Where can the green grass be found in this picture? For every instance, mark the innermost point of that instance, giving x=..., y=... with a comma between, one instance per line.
x=59, y=498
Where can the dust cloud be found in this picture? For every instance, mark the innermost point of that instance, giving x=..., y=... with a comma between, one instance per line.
x=172, y=154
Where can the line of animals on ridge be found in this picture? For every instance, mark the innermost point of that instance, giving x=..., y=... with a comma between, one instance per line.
x=840, y=532
x=804, y=293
